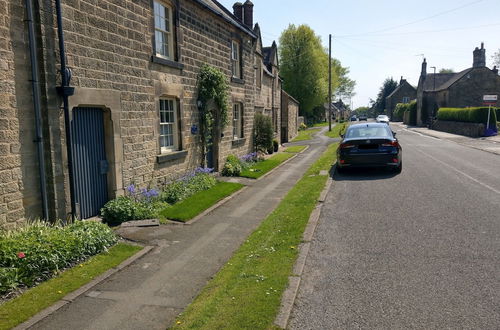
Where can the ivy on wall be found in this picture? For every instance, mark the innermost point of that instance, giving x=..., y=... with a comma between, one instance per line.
x=212, y=85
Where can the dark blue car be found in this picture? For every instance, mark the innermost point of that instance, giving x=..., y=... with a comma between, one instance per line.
x=369, y=145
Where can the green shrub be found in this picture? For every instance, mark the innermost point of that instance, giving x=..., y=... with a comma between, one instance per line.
x=400, y=110
x=36, y=251
x=276, y=145
x=410, y=113
x=124, y=208
x=263, y=132
x=469, y=115
x=198, y=180
x=302, y=127
x=232, y=167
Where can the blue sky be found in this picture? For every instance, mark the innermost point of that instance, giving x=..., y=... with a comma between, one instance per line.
x=380, y=39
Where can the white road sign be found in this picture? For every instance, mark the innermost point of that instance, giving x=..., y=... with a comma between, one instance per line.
x=487, y=98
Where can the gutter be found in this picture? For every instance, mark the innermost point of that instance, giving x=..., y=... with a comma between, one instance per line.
x=65, y=91
x=36, y=104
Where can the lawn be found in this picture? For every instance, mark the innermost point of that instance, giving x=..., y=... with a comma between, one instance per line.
x=336, y=130
x=320, y=124
x=192, y=206
x=261, y=168
x=47, y=293
x=295, y=149
x=246, y=292
x=305, y=135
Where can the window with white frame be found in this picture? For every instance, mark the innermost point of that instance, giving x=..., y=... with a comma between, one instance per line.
x=164, y=36
x=236, y=59
x=406, y=99
x=168, y=125
x=237, y=121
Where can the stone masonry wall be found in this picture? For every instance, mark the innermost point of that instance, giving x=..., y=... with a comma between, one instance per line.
x=109, y=48
x=19, y=193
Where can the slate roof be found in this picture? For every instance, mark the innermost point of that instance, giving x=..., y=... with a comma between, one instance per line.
x=454, y=79
x=215, y=7
x=399, y=87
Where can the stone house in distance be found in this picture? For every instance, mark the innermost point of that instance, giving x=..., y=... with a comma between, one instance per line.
x=404, y=93
x=131, y=97
x=462, y=89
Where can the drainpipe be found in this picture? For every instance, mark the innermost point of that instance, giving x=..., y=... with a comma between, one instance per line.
x=36, y=104
x=65, y=91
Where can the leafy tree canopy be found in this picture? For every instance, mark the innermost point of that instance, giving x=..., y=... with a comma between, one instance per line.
x=443, y=70
x=496, y=58
x=304, y=68
x=387, y=88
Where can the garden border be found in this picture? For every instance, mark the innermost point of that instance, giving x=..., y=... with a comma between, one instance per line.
x=70, y=297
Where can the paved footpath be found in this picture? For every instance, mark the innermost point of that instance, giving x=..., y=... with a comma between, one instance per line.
x=152, y=291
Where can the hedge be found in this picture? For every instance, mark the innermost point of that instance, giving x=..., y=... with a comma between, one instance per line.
x=469, y=115
x=408, y=111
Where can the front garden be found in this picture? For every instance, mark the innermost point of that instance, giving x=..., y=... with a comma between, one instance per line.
x=40, y=263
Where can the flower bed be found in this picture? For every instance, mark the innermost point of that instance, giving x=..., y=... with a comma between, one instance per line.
x=234, y=165
x=37, y=251
x=141, y=204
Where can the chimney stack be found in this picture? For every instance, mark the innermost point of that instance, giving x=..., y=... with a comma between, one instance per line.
x=479, y=57
x=495, y=69
x=238, y=10
x=248, y=13
x=424, y=68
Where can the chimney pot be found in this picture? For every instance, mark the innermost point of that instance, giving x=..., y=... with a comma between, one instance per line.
x=238, y=10
x=248, y=13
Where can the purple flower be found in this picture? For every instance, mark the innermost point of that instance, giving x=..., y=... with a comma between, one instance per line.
x=205, y=170
x=131, y=189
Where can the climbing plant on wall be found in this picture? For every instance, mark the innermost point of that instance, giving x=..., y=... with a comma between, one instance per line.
x=212, y=86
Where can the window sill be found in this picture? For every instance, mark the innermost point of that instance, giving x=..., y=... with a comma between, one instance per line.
x=237, y=80
x=164, y=61
x=163, y=158
x=238, y=142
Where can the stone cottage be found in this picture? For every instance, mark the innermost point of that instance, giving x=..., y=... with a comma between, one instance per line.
x=124, y=110
x=462, y=89
x=404, y=93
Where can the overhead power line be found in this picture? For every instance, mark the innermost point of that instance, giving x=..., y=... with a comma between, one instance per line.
x=416, y=21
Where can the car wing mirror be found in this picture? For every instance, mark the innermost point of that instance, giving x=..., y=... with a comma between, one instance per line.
x=341, y=135
x=394, y=134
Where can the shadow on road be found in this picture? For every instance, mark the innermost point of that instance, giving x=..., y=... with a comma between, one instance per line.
x=362, y=174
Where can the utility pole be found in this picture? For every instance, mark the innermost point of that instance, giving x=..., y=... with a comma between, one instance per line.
x=330, y=83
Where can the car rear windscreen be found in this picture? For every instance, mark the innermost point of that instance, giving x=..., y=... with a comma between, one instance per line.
x=368, y=132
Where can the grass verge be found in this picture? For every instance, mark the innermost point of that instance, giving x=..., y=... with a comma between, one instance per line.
x=246, y=292
x=295, y=149
x=305, y=135
x=320, y=124
x=199, y=202
x=336, y=130
x=261, y=168
x=47, y=293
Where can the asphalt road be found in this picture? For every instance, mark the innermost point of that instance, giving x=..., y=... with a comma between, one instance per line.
x=418, y=250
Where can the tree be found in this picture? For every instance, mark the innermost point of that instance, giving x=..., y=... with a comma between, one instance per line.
x=446, y=71
x=387, y=88
x=496, y=58
x=302, y=66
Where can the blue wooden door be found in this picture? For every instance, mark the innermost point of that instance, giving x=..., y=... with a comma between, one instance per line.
x=89, y=159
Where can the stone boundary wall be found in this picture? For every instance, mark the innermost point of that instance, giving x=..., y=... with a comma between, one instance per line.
x=460, y=128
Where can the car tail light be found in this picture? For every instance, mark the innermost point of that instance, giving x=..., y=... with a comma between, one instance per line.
x=342, y=161
x=394, y=160
x=391, y=144
x=346, y=145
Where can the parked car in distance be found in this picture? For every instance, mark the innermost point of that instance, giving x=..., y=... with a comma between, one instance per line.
x=362, y=117
x=369, y=145
x=353, y=118
x=382, y=119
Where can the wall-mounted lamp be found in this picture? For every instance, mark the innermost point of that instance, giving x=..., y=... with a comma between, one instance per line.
x=199, y=104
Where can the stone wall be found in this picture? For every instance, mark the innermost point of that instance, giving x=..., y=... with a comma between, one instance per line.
x=460, y=128
x=110, y=52
x=289, y=117
x=19, y=193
